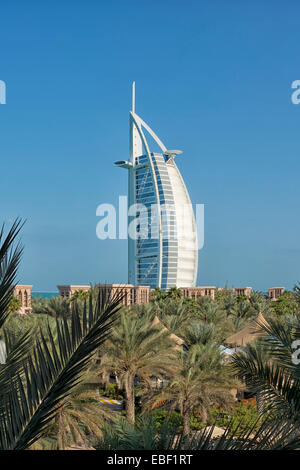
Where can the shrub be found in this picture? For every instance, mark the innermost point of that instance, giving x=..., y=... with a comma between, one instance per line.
x=111, y=391
x=174, y=418
x=244, y=413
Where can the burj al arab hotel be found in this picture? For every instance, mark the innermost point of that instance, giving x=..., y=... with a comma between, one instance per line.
x=163, y=254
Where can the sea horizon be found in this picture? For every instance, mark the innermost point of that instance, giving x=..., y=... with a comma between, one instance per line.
x=45, y=295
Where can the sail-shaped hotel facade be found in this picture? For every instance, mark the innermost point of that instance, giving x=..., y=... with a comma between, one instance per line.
x=162, y=242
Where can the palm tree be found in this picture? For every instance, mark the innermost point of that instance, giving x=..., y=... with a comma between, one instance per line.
x=78, y=421
x=36, y=377
x=191, y=306
x=241, y=312
x=145, y=435
x=286, y=304
x=17, y=325
x=78, y=415
x=157, y=294
x=200, y=381
x=14, y=304
x=198, y=332
x=10, y=257
x=80, y=295
x=271, y=370
x=173, y=315
x=136, y=350
x=259, y=302
x=210, y=311
x=143, y=310
x=56, y=307
x=37, y=304
x=175, y=293
x=171, y=306
x=296, y=291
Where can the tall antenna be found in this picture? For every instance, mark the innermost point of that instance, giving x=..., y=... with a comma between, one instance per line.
x=133, y=97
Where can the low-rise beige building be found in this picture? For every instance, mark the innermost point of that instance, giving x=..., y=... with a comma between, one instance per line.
x=23, y=293
x=69, y=290
x=243, y=291
x=131, y=294
x=275, y=292
x=198, y=291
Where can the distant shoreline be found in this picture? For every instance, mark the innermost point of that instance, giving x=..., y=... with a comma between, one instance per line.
x=45, y=295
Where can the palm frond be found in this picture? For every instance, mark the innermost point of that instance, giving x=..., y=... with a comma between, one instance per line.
x=51, y=372
x=273, y=383
x=145, y=435
x=9, y=262
x=270, y=435
x=279, y=340
x=16, y=352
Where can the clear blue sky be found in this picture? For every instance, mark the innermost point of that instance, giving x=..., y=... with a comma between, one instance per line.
x=213, y=78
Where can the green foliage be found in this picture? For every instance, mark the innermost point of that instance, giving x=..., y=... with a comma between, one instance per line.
x=243, y=414
x=224, y=295
x=18, y=325
x=196, y=423
x=14, y=304
x=174, y=293
x=157, y=294
x=259, y=302
x=191, y=306
x=241, y=312
x=270, y=371
x=39, y=372
x=200, y=380
x=146, y=435
x=56, y=307
x=173, y=316
x=296, y=291
x=199, y=332
x=51, y=373
x=10, y=257
x=80, y=296
x=210, y=311
x=136, y=349
x=111, y=391
x=285, y=305
x=161, y=416
x=49, y=351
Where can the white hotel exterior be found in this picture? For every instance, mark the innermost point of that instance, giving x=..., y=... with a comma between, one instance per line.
x=163, y=255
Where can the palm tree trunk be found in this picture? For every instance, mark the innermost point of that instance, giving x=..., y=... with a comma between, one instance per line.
x=186, y=424
x=204, y=415
x=60, y=431
x=129, y=401
x=259, y=406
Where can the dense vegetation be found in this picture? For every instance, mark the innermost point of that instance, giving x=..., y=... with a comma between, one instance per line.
x=163, y=359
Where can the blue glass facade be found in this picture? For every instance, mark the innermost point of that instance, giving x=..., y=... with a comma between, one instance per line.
x=148, y=249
